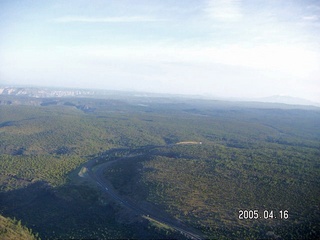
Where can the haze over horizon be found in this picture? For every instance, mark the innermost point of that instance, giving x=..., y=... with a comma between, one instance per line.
x=223, y=48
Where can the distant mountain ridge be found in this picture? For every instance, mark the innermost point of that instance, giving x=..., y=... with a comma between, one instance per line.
x=287, y=100
x=45, y=92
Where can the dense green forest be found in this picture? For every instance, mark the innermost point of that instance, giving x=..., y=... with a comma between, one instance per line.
x=207, y=185
x=250, y=157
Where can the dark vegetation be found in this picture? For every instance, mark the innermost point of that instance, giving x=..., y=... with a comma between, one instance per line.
x=250, y=158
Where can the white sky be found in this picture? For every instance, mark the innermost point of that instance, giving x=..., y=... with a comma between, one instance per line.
x=223, y=48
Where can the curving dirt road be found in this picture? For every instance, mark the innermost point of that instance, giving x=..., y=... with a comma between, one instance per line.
x=95, y=172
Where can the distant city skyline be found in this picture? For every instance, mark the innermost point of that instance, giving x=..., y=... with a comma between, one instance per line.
x=222, y=48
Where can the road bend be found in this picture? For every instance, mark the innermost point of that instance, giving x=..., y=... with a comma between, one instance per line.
x=95, y=173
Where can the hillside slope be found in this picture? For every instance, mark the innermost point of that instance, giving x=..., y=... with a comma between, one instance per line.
x=13, y=230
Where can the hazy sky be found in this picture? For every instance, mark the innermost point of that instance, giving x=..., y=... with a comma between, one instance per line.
x=224, y=48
